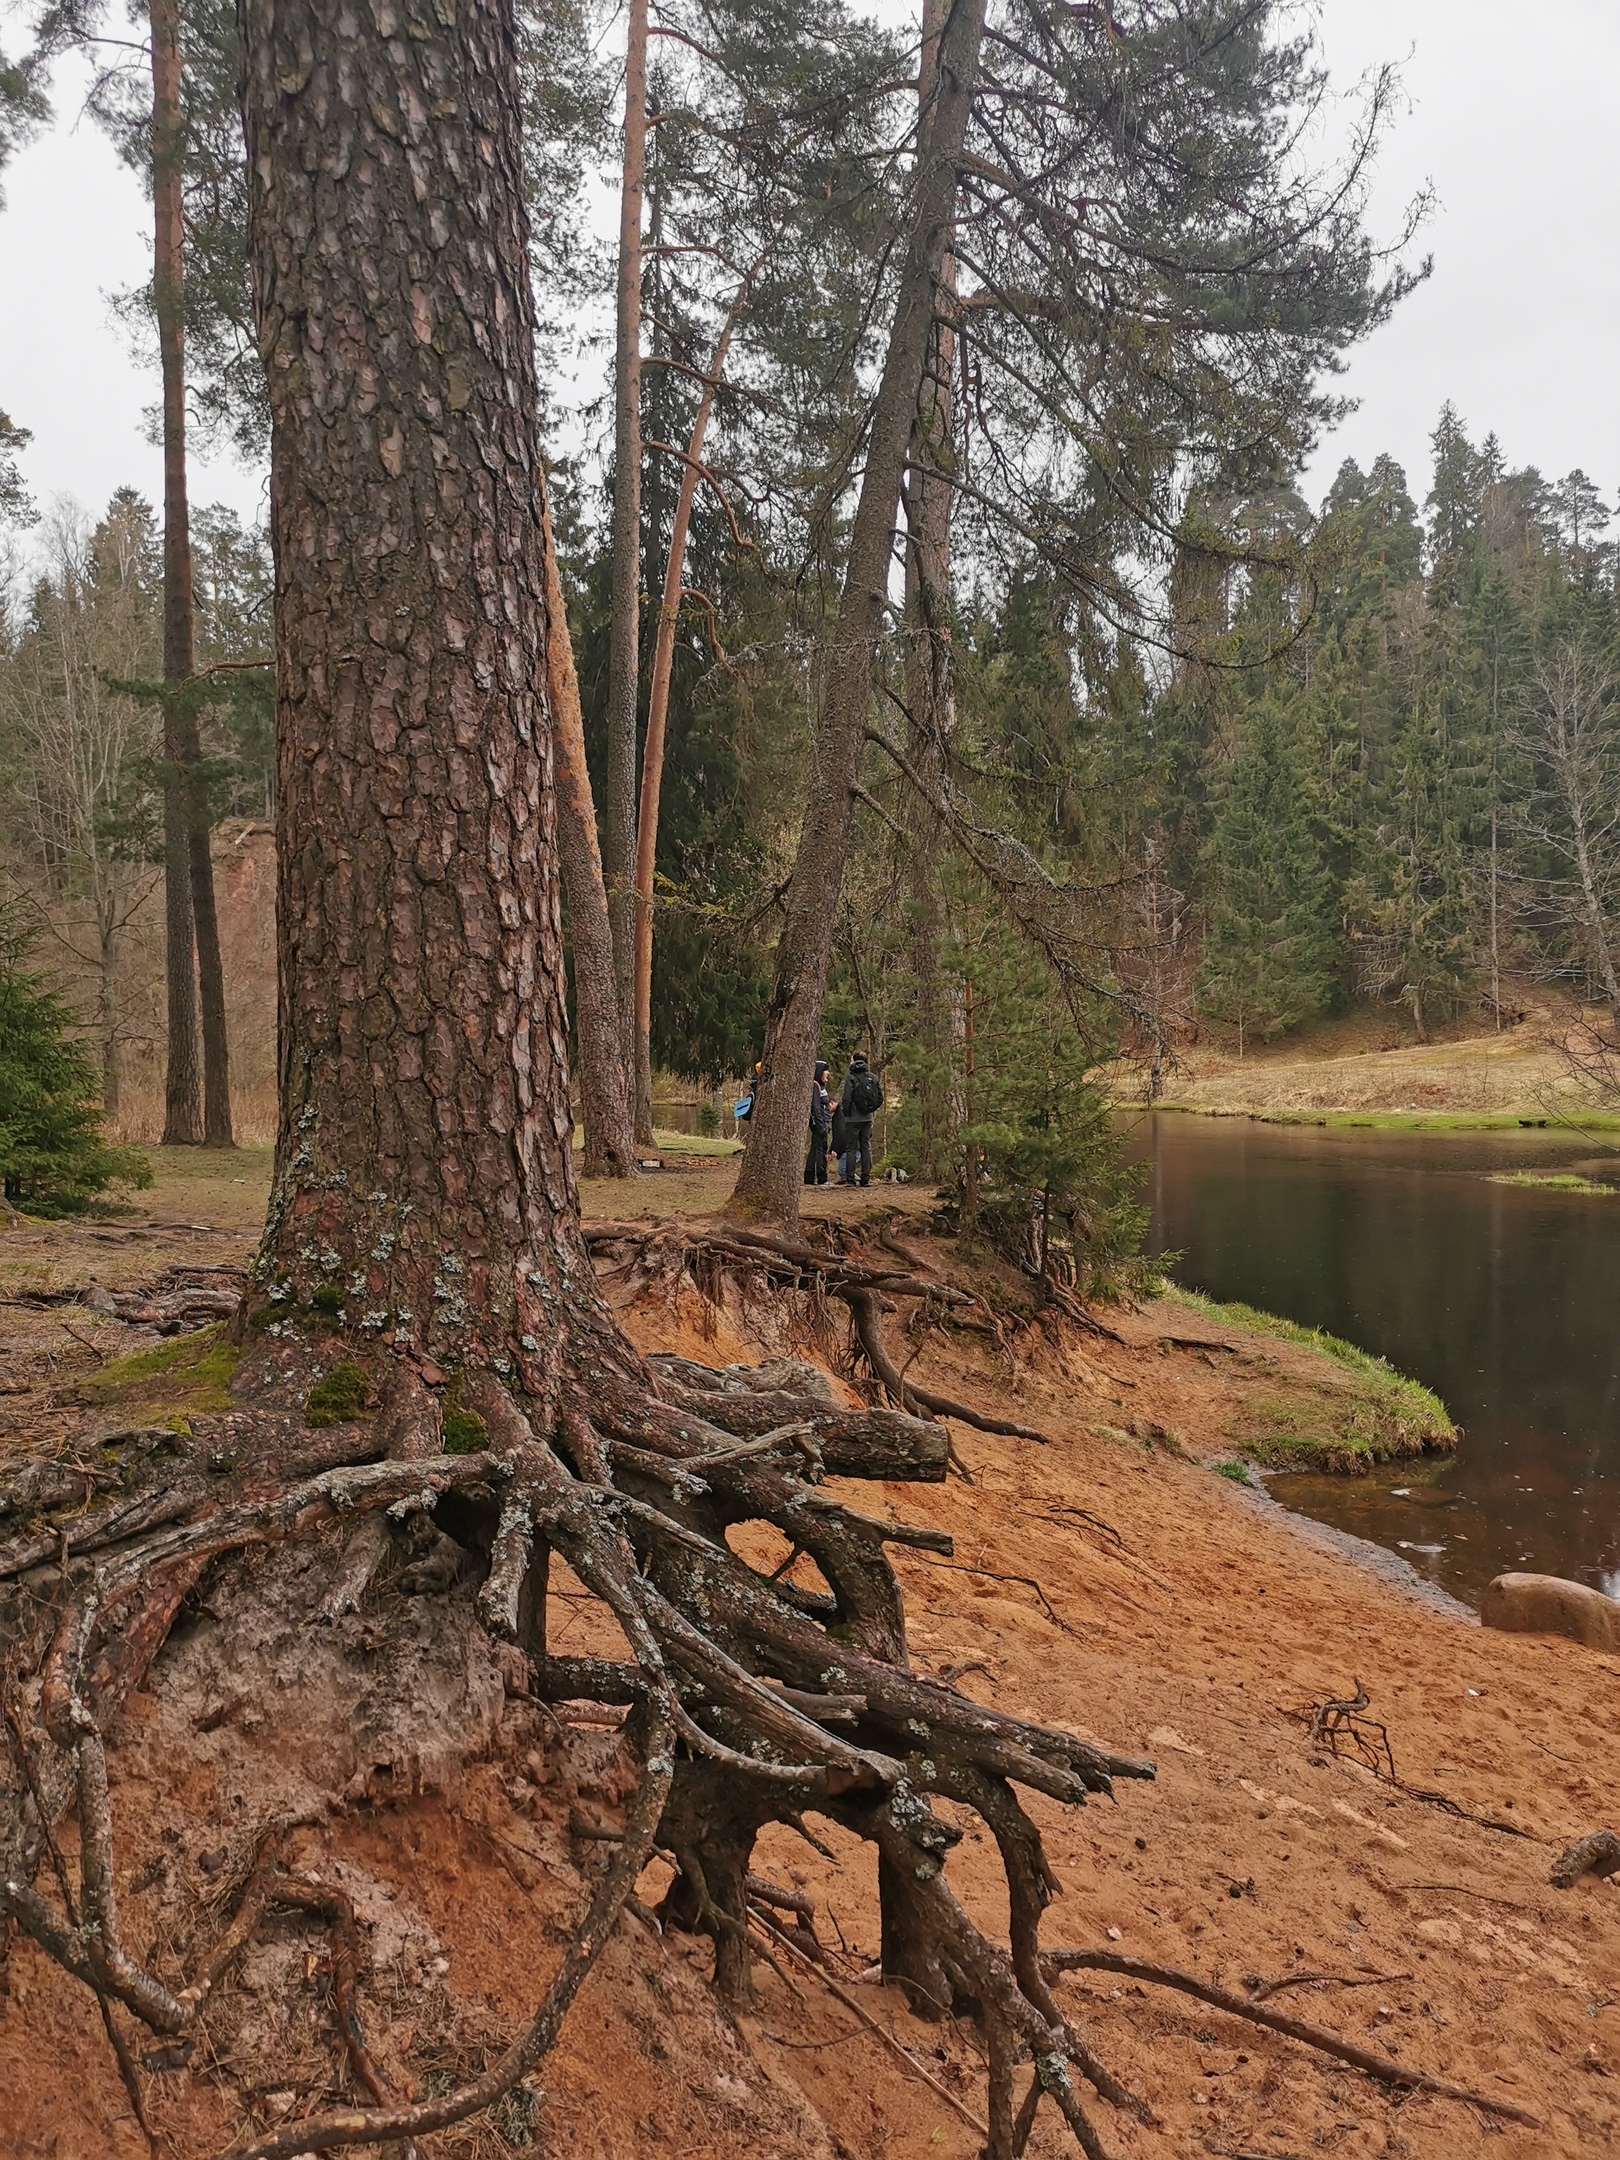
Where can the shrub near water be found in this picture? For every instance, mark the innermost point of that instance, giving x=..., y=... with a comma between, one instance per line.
x=53, y=1158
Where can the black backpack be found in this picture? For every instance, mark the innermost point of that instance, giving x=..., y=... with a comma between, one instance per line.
x=865, y=1094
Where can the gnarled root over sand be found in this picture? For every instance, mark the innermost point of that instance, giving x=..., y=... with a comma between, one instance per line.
x=750, y=1698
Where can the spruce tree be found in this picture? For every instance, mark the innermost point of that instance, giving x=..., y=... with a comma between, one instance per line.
x=1269, y=960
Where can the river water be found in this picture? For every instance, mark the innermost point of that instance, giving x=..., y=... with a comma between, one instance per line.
x=1504, y=1299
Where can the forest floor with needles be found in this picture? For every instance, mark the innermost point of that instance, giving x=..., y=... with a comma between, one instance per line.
x=1107, y=1581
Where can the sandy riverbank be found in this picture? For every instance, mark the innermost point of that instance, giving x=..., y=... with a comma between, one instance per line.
x=1110, y=1580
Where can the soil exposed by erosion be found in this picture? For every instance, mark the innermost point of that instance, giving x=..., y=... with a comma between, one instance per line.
x=1108, y=1581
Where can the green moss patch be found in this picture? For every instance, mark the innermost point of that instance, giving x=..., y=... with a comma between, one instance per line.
x=464, y=1433
x=1365, y=1413
x=188, y=1374
x=338, y=1396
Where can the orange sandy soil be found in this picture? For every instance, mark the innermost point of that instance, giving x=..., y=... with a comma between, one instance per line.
x=1108, y=1582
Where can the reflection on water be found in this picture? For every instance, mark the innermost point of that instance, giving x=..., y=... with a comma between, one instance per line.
x=1502, y=1298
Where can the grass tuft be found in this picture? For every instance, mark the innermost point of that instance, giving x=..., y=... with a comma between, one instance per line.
x=1553, y=1181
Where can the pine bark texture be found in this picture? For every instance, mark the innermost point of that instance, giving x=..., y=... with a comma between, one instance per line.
x=769, y=1182
x=624, y=627
x=182, y=1076
x=425, y=1158
x=191, y=917
x=610, y=1144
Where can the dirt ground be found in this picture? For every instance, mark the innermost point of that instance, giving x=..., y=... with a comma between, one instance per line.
x=1109, y=1581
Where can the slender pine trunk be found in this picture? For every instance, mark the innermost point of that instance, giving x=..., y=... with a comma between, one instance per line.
x=186, y=848
x=604, y=1106
x=182, y=1079
x=930, y=684
x=624, y=634
x=652, y=754
x=769, y=1182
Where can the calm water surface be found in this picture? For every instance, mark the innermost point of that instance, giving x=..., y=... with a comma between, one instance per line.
x=1505, y=1300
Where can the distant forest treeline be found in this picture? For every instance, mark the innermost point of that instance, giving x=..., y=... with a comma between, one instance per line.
x=1377, y=754
x=1400, y=776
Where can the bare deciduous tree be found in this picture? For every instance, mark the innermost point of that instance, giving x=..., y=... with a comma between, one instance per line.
x=1568, y=821
x=78, y=745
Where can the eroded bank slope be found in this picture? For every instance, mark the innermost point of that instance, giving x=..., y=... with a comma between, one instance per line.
x=1109, y=1581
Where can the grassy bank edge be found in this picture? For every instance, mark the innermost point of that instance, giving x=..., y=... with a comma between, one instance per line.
x=1409, y=1418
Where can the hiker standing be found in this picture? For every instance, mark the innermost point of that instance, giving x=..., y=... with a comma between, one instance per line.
x=860, y=1100
x=743, y=1109
x=821, y=1117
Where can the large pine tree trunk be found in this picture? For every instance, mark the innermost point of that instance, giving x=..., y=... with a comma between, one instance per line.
x=769, y=1182
x=624, y=627
x=192, y=920
x=425, y=1151
x=604, y=1102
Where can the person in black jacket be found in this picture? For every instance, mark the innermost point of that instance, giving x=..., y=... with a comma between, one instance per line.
x=859, y=1101
x=815, y=1163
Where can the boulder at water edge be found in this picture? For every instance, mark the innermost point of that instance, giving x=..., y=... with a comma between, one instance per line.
x=1548, y=1605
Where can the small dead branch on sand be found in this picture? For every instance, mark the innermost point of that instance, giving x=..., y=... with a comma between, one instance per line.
x=1382, y=2067
x=1338, y=1725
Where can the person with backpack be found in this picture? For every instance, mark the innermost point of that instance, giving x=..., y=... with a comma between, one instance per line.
x=860, y=1100
x=821, y=1117
x=743, y=1108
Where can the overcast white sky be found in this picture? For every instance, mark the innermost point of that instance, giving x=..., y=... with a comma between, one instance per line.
x=1511, y=118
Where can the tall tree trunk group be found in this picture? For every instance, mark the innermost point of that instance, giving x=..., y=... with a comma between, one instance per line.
x=769, y=1182
x=652, y=756
x=624, y=633
x=605, y=1108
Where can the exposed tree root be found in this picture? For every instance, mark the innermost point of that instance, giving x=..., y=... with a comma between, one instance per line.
x=1382, y=2067
x=1598, y=1854
x=751, y=1699
x=791, y=1262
